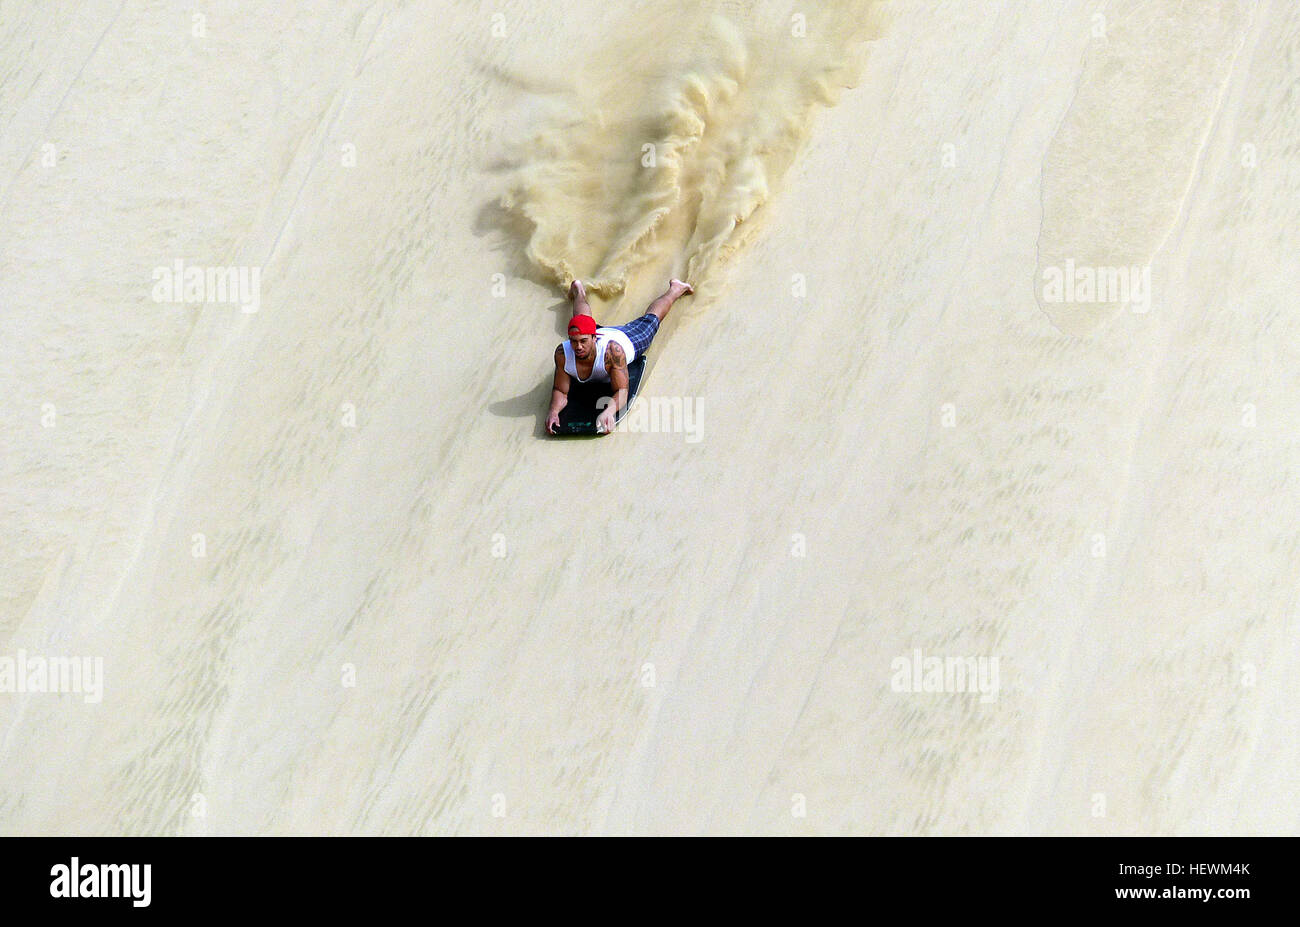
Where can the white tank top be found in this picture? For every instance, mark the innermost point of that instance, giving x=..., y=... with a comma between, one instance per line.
x=598, y=372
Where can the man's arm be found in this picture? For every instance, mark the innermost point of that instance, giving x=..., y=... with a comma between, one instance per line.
x=616, y=367
x=559, y=391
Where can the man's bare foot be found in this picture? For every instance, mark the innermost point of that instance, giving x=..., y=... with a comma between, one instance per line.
x=686, y=288
x=577, y=291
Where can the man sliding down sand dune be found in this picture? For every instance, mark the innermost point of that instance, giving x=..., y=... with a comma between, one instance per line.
x=599, y=354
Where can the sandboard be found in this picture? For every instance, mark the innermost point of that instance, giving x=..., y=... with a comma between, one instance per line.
x=579, y=416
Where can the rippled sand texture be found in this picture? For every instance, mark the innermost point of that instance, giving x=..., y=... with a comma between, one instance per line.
x=341, y=583
x=1120, y=167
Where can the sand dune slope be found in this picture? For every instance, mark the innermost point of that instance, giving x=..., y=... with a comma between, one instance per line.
x=339, y=582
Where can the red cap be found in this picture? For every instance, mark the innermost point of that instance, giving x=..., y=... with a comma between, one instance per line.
x=584, y=324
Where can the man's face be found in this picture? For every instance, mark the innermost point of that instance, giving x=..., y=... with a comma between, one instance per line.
x=584, y=346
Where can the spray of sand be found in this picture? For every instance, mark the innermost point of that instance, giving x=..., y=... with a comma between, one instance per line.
x=676, y=131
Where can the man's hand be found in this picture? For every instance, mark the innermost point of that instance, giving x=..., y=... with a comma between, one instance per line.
x=553, y=422
x=605, y=421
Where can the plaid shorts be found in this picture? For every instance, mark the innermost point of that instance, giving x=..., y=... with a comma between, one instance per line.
x=640, y=331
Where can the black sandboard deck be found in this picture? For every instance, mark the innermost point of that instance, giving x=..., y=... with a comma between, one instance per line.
x=579, y=416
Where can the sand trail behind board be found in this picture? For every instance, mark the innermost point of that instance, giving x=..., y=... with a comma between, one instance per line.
x=662, y=150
